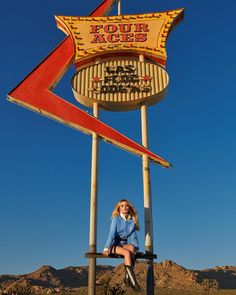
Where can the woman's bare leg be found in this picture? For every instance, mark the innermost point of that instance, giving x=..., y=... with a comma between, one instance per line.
x=130, y=247
x=125, y=252
x=128, y=251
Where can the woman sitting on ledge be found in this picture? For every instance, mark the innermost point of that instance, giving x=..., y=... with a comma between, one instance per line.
x=123, y=226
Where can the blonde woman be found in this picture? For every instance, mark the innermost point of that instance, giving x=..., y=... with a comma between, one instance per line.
x=124, y=225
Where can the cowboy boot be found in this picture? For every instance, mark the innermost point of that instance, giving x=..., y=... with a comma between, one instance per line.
x=132, y=278
x=133, y=260
x=127, y=280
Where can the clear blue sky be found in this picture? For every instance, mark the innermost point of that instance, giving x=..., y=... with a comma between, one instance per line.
x=45, y=166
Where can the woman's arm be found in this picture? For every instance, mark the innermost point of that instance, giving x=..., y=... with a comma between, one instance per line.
x=134, y=240
x=112, y=233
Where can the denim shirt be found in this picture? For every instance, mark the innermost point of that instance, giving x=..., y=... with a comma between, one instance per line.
x=124, y=229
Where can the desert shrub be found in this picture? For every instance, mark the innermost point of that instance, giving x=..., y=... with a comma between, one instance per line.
x=107, y=289
x=113, y=290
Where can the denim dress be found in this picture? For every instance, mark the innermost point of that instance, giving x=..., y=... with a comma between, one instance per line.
x=120, y=231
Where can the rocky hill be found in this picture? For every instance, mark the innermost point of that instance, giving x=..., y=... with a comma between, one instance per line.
x=167, y=274
x=224, y=275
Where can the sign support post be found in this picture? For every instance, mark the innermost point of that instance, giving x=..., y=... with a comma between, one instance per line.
x=119, y=7
x=147, y=204
x=147, y=199
x=93, y=208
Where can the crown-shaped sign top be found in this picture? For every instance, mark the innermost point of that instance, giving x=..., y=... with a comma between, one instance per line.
x=124, y=35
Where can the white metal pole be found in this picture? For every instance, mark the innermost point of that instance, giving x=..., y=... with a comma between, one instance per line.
x=93, y=209
x=147, y=200
x=146, y=184
x=119, y=7
x=93, y=201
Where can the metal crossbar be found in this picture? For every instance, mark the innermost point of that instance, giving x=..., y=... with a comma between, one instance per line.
x=138, y=255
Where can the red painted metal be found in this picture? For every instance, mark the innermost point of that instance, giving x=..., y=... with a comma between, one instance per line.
x=34, y=92
x=104, y=8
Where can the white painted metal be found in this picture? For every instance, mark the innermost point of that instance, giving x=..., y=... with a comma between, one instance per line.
x=147, y=197
x=93, y=209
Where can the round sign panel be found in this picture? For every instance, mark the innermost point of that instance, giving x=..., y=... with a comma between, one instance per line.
x=120, y=84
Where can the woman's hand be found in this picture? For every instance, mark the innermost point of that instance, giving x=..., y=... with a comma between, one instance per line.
x=105, y=252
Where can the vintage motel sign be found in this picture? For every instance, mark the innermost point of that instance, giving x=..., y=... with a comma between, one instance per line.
x=122, y=35
x=107, y=51
x=146, y=84
x=120, y=85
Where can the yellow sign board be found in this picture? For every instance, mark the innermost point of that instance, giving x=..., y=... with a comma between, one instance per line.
x=126, y=35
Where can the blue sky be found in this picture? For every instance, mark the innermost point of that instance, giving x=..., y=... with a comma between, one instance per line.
x=45, y=166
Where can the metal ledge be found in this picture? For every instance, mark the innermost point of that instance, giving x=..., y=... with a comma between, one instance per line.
x=139, y=255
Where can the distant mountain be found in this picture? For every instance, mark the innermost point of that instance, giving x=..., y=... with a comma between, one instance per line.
x=224, y=275
x=167, y=274
x=48, y=278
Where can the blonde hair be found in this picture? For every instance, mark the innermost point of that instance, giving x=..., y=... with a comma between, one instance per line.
x=132, y=212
